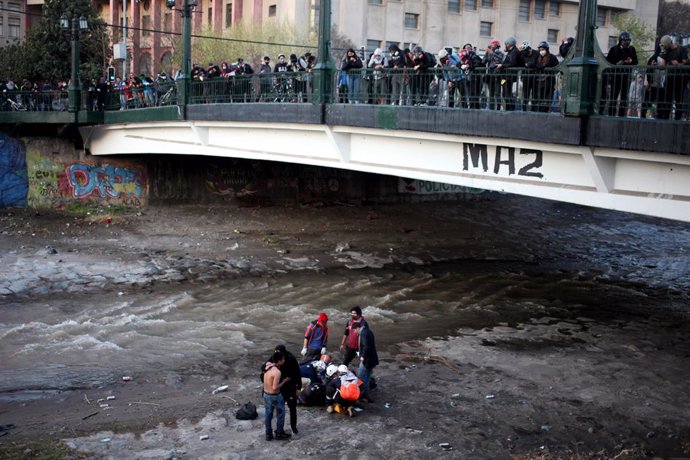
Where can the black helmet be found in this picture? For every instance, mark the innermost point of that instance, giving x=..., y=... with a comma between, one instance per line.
x=624, y=36
x=544, y=45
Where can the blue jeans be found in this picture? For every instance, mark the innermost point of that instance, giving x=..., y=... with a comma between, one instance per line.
x=364, y=375
x=353, y=84
x=272, y=402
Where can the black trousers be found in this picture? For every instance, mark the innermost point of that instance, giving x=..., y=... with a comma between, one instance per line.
x=291, y=400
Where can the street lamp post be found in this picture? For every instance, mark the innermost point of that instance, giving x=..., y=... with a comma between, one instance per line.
x=78, y=25
x=184, y=79
x=323, y=78
x=582, y=68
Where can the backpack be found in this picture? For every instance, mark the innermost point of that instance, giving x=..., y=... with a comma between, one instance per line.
x=349, y=388
x=246, y=412
x=431, y=58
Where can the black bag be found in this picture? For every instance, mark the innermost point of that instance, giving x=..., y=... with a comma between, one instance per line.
x=247, y=412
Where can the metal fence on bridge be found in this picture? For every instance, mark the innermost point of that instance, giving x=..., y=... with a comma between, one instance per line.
x=653, y=92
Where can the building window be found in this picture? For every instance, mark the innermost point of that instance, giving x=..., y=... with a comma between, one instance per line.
x=145, y=26
x=539, y=9
x=486, y=29
x=13, y=27
x=372, y=45
x=552, y=36
x=272, y=11
x=453, y=6
x=314, y=12
x=524, y=10
x=601, y=17
x=554, y=8
x=614, y=15
x=210, y=17
x=471, y=5
x=613, y=40
x=487, y=3
x=375, y=2
x=14, y=6
x=411, y=21
x=2, y=32
x=167, y=22
x=228, y=15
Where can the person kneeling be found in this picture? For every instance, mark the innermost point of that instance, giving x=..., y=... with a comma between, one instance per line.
x=342, y=391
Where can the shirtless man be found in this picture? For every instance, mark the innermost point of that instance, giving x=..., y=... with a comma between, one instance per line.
x=272, y=397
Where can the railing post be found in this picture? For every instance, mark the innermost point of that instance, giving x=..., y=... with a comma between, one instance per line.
x=323, y=72
x=184, y=83
x=580, y=83
x=74, y=90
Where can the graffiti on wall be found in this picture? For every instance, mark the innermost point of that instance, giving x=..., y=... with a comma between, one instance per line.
x=55, y=181
x=14, y=183
x=221, y=180
x=105, y=181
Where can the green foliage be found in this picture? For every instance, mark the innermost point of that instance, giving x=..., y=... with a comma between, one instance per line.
x=674, y=17
x=248, y=42
x=642, y=33
x=47, y=51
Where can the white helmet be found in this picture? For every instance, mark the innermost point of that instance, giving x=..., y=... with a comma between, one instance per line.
x=442, y=53
x=332, y=369
x=343, y=369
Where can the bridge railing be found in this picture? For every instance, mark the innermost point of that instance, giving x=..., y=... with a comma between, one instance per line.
x=266, y=87
x=480, y=88
x=33, y=101
x=138, y=97
x=645, y=91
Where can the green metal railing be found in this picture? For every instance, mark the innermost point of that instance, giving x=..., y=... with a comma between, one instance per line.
x=654, y=91
x=33, y=101
x=141, y=97
x=293, y=87
x=482, y=88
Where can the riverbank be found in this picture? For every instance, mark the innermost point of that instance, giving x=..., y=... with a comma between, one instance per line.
x=569, y=382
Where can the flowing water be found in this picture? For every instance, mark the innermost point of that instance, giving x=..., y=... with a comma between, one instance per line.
x=76, y=341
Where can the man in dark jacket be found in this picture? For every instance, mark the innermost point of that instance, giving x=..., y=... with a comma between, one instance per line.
x=290, y=389
x=508, y=70
x=368, y=357
x=617, y=80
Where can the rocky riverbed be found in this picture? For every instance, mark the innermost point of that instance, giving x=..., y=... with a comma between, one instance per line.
x=507, y=328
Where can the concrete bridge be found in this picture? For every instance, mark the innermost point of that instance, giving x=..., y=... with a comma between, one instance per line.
x=633, y=165
x=540, y=155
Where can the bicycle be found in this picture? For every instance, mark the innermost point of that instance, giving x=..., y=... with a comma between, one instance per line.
x=16, y=106
x=167, y=97
x=283, y=90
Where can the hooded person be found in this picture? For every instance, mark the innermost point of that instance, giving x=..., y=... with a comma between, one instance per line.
x=290, y=389
x=316, y=338
x=377, y=63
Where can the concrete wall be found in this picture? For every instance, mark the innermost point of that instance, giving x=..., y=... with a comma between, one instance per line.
x=47, y=172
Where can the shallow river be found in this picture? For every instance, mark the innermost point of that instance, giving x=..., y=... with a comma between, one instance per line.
x=80, y=341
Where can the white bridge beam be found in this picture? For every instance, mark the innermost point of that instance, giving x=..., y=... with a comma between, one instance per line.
x=640, y=182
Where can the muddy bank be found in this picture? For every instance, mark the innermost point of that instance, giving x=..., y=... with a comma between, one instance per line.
x=512, y=378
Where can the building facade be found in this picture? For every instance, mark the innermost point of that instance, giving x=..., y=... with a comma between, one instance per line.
x=369, y=24
x=12, y=21
x=435, y=24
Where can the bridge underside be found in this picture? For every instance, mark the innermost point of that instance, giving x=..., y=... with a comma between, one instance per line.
x=624, y=180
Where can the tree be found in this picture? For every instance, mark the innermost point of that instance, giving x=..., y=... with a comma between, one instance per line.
x=674, y=18
x=47, y=51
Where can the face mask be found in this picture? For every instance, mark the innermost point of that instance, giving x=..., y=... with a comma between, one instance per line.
x=542, y=52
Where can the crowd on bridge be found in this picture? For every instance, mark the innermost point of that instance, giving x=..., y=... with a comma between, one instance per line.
x=515, y=76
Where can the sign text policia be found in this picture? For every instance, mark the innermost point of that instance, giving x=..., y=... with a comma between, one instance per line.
x=475, y=156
